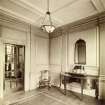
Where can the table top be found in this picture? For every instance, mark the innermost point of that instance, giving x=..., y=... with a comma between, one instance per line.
x=78, y=75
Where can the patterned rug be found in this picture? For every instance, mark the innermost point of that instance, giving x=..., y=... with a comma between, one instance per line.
x=40, y=99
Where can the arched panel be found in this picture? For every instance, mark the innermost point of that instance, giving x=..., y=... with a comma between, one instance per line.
x=80, y=52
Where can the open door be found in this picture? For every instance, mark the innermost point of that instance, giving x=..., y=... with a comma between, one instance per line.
x=2, y=58
x=14, y=68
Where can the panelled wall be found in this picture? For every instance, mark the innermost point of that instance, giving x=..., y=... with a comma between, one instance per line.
x=61, y=47
x=62, y=52
x=55, y=59
x=102, y=61
x=90, y=37
x=36, y=45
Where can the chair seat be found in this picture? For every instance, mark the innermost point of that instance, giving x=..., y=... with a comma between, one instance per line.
x=44, y=80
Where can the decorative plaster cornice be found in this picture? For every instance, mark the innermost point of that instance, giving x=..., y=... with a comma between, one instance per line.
x=16, y=15
x=16, y=24
x=82, y=24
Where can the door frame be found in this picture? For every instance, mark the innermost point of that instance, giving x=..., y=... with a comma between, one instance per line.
x=4, y=64
x=2, y=68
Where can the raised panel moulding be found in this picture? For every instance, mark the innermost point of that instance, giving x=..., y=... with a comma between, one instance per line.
x=102, y=78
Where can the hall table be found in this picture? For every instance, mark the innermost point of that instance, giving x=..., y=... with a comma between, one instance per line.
x=67, y=77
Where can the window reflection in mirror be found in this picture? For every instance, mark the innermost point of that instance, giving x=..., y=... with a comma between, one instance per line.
x=80, y=52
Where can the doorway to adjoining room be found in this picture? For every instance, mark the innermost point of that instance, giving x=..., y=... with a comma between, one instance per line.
x=14, y=68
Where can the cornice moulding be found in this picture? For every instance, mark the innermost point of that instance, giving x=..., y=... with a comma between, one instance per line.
x=14, y=23
x=80, y=25
x=17, y=16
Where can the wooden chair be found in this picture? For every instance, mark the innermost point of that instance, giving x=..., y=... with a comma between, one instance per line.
x=45, y=79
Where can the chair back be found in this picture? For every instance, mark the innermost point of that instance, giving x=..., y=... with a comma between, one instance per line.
x=45, y=75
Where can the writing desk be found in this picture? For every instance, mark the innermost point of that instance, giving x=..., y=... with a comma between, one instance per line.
x=67, y=77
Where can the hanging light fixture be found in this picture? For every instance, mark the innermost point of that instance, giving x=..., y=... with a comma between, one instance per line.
x=47, y=21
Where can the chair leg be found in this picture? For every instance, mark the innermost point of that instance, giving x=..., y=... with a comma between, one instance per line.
x=49, y=86
x=39, y=84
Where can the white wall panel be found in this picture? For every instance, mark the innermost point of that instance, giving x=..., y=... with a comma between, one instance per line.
x=39, y=58
x=64, y=57
x=62, y=53
x=102, y=61
x=9, y=33
x=55, y=50
x=90, y=37
x=42, y=50
x=55, y=59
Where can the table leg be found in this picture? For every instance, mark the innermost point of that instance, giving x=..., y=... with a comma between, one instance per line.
x=82, y=88
x=60, y=80
x=65, y=85
x=10, y=83
x=96, y=89
x=16, y=82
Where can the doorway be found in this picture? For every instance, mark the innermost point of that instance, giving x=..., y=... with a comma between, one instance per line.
x=14, y=68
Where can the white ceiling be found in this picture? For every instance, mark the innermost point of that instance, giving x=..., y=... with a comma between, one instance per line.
x=62, y=11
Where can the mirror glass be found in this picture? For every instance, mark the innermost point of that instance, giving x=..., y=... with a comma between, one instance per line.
x=80, y=52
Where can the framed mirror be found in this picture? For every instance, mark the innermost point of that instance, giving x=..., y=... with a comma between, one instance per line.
x=80, y=52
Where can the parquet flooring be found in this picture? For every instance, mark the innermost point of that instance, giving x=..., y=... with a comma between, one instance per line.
x=53, y=96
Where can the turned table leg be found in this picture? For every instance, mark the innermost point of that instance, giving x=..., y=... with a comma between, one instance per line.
x=65, y=85
x=81, y=88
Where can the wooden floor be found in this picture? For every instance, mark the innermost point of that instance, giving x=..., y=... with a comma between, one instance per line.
x=53, y=96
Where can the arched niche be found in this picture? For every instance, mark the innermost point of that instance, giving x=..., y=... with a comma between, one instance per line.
x=80, y=52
